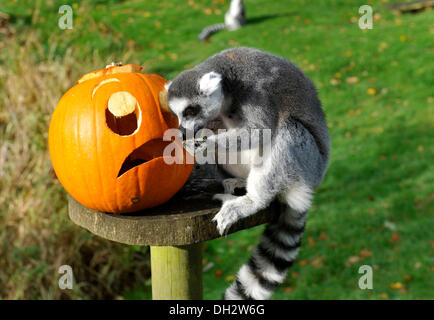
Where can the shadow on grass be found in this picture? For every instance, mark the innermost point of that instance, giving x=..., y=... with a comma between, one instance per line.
x=266, y=17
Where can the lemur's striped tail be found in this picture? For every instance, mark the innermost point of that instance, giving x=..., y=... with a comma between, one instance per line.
x=276, y=252
x=208, y=31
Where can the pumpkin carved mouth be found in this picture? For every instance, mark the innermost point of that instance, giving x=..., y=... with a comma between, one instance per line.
x=146, y=152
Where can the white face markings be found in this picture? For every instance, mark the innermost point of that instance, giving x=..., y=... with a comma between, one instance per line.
x=209, y=100
x=177, y=105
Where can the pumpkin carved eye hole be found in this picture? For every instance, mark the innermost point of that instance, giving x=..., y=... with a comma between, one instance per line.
x=123, y=113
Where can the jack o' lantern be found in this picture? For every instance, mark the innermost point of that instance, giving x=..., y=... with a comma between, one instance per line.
x=106, y=141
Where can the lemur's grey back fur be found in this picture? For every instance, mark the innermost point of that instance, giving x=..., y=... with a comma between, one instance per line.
x=235, y=18
x=264, y=91
x=255, y=79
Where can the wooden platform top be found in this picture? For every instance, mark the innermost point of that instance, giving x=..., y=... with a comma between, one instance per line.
x=185, y=219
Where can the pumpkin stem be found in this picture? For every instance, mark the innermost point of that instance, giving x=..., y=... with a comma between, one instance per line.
x=114, y=64
x=111, y=69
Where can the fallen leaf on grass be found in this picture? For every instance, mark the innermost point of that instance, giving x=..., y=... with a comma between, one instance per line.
x=230, y=278
x=303, y=262
x=317, y=262
x=371, y=91
x=365, y=253
x=352, y=80
x=353, y=112
x=408, y=277
x=383, y=295
x=382, y=46
x=396, y=286
x=323, y=236
x=351, y=260
x=334, y=82
x=395, y=237
x=311, y=241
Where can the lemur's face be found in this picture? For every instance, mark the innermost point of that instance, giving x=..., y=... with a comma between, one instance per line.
x=195, y=100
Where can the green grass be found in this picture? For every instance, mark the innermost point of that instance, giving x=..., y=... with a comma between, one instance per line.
x=376, y=205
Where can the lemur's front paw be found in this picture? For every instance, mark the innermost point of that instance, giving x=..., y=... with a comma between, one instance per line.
x=228, y=213
x=223, y=222
x=195, y=145
x=233, y=209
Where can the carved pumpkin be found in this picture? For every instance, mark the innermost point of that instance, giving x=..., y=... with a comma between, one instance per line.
x=106, y=141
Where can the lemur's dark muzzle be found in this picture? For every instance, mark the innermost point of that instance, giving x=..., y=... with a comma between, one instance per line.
x=183, y=133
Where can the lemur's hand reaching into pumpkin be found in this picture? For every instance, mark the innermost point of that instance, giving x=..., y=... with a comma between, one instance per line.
x=195, y=146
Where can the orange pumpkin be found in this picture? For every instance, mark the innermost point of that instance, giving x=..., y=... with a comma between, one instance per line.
x=105, y=141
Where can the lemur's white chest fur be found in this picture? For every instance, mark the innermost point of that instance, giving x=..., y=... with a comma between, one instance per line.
x=244, y=159
x=241, y=170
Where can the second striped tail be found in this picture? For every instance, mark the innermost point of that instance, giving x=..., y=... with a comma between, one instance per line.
x=208, y=31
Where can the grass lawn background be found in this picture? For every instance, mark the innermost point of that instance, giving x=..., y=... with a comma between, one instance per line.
x=375, y=206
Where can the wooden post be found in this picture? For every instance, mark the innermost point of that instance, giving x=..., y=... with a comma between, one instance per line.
x=176, y=272
x=174, y=230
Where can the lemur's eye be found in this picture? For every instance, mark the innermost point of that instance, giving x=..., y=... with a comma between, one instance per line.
x=191, y=111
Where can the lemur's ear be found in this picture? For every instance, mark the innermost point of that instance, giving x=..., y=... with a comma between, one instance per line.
x=209, y=83
x=167, y=85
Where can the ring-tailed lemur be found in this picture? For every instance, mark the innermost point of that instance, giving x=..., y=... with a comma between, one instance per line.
x=235, y=18
x=251, y=89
